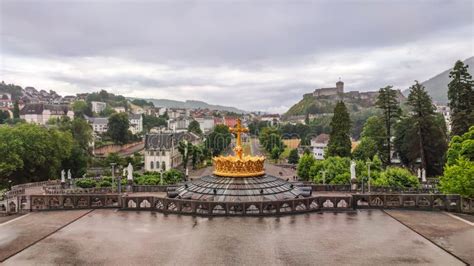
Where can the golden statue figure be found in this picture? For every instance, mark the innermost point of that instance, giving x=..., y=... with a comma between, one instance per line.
x=239, y=165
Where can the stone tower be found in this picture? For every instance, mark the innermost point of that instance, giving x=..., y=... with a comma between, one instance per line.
x=340, y=86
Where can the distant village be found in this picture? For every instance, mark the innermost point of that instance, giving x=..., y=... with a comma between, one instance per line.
x=41, y=106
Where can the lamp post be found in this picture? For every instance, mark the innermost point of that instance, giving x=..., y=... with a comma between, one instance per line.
x=119, y=185
x=113, y=175
x=368, y=172
x=324, y=176
x=161, y=176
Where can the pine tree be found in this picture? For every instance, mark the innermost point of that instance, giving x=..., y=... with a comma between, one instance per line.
x=294, y=157
x=422, y=135
x=461, y=99
x=388, y=102
x=339, y=139
x=16, y=110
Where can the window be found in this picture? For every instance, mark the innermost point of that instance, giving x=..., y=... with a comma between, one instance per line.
x=163, y=153
x=157, y=164
x=151, y=165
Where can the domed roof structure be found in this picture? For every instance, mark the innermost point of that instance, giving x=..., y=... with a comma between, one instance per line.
x=238, y=178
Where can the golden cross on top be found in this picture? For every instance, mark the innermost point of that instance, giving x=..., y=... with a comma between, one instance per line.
x=238, y=129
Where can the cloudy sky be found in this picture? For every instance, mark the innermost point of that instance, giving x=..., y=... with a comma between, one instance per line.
x=252, y=56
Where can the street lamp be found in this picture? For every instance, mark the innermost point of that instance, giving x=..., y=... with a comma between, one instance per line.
x=368, y=172
x=324, y=176
x=161, y=176
x=113, y=175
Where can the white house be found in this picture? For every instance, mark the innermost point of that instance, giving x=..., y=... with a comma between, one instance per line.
x=179, y=124
x=99, y=124
x=120, y=109
x=98, y=107
x=205, y=123
x=161, y=149
x=136, y=123
x=318, y=144
x=40, y=113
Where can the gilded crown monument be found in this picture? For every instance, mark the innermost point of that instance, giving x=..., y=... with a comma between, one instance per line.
x=239, y=165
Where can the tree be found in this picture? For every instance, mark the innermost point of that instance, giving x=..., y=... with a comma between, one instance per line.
x=397, y=177
x=118, y=128
x=294, y=157
x=431, y=137
x=304, y=165
x=276, y=152
x=366, y=149
x=194, y=127
x=339, y=138
x=4, y=116
x=387, y=101
x=375, y=131
x=218, y=140
x=458, y=175
x=336, y=170
x=461, y=99
x=150, y=121
x=16, y=110
x=198, y=155
x=81, y=108
x=18, y=144
x=186, y=149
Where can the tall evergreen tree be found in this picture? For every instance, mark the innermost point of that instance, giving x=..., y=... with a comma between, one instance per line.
x=461, y=99
x=16, y=110
x=388, y=102
x=422, y=134
x=339, y=138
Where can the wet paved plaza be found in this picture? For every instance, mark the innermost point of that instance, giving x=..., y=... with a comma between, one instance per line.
x=123, y=238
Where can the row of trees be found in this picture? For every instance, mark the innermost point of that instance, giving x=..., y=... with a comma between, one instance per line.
x=418, y=135
x=35, y=153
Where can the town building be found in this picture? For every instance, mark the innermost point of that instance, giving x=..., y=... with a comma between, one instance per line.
x=99, y=124
x=446, y=112
x=318, y=144
x=120, y=109
x=6, y=100
x=136, y=123
x=98, y=107
x=272, y=119
x=206, y=123
x=161, y=150
x=179, y=124
x=40, y=113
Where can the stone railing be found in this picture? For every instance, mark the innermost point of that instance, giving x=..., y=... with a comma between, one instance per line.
x=63, y=202
x=151, y=188
x=452, y=203
x=59, y=190
x=37, y=184
x=373, y=189
x=260, y=208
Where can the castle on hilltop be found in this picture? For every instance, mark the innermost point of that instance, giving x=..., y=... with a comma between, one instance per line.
x=339, y=89
x=338, y=93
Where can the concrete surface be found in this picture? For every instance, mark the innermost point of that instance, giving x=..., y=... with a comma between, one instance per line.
x=109, y=237
x=17, y=234
x=452, y=234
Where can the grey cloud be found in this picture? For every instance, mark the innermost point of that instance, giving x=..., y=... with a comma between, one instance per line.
x=220, y=33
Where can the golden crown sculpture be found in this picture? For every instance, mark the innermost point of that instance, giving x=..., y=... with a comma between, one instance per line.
x=239, y=165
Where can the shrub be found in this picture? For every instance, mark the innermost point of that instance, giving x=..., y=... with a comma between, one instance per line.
x=86, y=183
x=104, y=183
x=397, y=177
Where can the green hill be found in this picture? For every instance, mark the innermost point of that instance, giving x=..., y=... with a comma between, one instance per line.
x=321, y=105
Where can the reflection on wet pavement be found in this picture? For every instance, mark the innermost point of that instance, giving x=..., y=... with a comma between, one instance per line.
x=121, y=237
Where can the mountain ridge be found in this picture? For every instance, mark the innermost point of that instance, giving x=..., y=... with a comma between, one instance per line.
x=191, y=104
x=437, y=86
